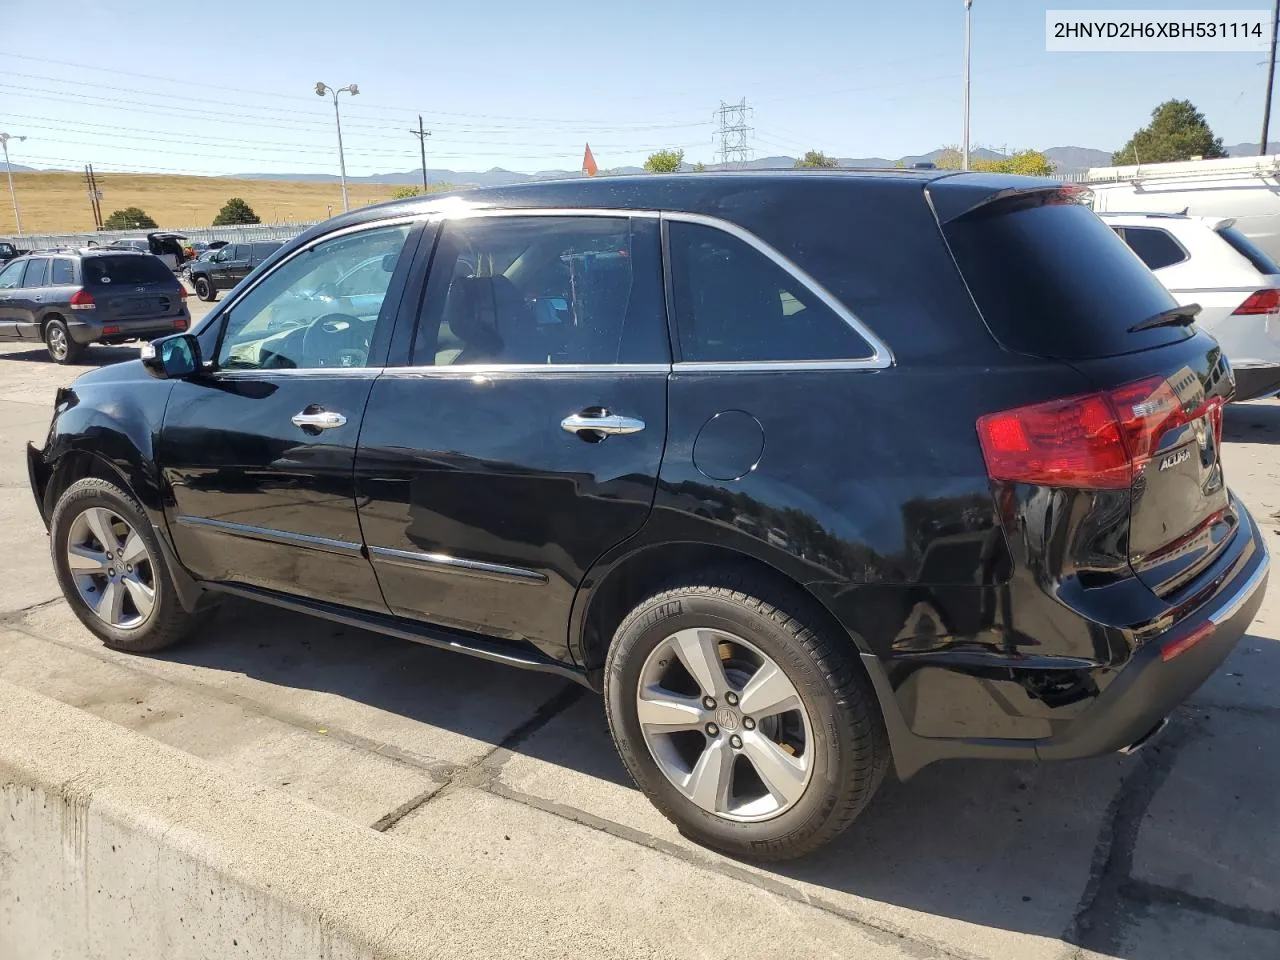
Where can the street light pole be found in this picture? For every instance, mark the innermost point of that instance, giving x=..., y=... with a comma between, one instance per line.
x=321, y=89
x=968, y=21
x=1271, y=79
x=13, y=194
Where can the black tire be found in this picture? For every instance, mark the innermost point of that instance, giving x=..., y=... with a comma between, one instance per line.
x=167, y=622
x=850, y=749
x=205, y=290
x=58, y=342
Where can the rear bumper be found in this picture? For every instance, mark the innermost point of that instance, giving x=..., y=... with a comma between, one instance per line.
x=1149, y=688
x=91, y=331
x=1133, y=700
x=1255, y=382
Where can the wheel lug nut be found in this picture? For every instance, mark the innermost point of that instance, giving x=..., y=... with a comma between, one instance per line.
x=709, y=702
x=736, y=742
x=713, y=730
x=748, y=723
x=731, y=698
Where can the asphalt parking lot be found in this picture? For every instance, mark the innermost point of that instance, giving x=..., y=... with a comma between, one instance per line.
x=1170, y=854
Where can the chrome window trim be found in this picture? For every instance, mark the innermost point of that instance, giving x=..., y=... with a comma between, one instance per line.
x=263, y=372
x=450, y=564
x=481, y=212
x=489, y=369
x=269, y=535
x=774, y=366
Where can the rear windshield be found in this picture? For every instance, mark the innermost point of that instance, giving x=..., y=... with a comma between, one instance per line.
x=1053, y=280
x=126, y=269
x=1250, y=251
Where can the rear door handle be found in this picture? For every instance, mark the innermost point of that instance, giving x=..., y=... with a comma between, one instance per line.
x=318, y=419
x=37, y=298
x=608, y=424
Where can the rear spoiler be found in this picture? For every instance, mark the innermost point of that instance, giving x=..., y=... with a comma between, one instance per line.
x=970, y=194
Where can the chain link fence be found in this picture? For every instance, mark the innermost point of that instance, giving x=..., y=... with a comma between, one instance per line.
x=249, y=232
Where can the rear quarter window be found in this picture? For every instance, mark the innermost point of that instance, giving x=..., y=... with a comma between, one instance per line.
x=1052, y=280
x=126, y=269
x=1154, y=247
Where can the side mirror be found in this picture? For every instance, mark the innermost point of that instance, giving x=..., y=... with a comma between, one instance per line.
x=172, y=358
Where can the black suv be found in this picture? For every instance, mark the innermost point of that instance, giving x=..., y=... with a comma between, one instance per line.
x=70, y=300
x=228, y=266
x=808, y=473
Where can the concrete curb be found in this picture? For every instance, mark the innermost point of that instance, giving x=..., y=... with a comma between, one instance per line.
x=115, y=846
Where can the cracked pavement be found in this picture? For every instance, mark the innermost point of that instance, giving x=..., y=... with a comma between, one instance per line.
x=1169, y=854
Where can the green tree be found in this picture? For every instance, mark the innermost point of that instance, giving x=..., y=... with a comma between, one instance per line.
x=664, y=161
x=404, y=193
x=1027, y=163
x=816, y=158
x=699, y=167
x=235, y=211
x=1177, y=131
x=130, y=218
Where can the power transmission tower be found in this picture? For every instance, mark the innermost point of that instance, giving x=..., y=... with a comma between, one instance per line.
x=422, y=133
x=735, y=150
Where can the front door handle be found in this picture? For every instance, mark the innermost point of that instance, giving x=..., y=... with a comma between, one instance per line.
x=312, y=419
x=37, y=298
x=608, y=424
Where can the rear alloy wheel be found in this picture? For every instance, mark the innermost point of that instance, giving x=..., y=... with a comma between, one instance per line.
x=204, y=289
x=57, y=340
x=743, y=716
x=110, y=566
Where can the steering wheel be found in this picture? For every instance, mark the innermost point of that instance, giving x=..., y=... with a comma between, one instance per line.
x=335, y=340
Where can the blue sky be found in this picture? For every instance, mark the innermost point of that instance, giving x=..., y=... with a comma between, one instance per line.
x=215, y=87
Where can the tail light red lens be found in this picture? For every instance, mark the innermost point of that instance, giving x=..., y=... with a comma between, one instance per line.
x=182, y=292
x=82, y=300
x=1175, y=648
x=180, y=324
x=110, y=331
x=1092, y=441
x=1260, y=301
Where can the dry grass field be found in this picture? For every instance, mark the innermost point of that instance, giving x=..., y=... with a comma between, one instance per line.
x=59, y=202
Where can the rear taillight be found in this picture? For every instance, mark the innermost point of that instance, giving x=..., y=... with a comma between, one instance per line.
x=182, y=292
x=1180, y=645
x=180, y=323
x=1260, y=301
x=82, y=300
x=110, y=330
x=1092, y=441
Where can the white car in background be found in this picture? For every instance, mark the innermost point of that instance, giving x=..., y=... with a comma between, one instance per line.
x=1206, y=260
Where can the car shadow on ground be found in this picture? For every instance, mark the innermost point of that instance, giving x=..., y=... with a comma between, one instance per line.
x=1016, y=847
x=95, y=356
x=1257, y=421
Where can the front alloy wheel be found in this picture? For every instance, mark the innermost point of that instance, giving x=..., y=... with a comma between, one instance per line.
x=112, y=570
x=724, y=724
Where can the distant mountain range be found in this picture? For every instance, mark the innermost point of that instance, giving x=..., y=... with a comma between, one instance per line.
x=1065, y=159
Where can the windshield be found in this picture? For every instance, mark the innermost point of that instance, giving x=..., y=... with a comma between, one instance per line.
x=125, y=269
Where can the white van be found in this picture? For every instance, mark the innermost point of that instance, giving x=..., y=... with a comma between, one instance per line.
x=1246, y=189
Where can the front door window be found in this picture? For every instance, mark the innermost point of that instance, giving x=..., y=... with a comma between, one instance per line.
x=318, y=309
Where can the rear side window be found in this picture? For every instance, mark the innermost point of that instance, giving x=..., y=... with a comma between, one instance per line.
x=37, y=273
x=734, y=304
x=129, y=268
x=1053, y=280
x=263, y=250
x=1250, y=251
x=1156, y=248
x=543, y=290
x=62, y=273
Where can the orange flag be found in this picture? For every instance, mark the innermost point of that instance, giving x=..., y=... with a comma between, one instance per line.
x=589, y=163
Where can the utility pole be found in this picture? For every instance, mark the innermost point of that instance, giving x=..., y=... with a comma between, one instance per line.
x=1271, y=76
x=91, y=184
x=421, y=133
x=734, y=149
x=968, y=48
x=13, y=195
